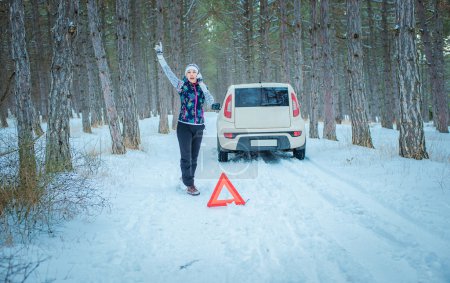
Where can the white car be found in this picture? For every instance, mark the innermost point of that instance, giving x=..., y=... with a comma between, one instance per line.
x=259, y=117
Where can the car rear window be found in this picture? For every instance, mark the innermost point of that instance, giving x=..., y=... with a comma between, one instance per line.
x=261, y=96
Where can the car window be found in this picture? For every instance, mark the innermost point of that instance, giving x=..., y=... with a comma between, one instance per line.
x=260, y=97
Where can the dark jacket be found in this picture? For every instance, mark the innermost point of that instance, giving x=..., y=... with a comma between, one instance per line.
x=192, y=99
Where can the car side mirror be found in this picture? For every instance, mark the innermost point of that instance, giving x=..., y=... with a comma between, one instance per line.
x=215, y=106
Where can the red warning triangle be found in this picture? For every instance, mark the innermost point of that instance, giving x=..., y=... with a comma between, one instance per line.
x=224, y=181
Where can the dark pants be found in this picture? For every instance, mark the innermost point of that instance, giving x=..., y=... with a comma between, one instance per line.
x=189, y=140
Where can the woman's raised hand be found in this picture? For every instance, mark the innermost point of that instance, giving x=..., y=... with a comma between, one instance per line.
x=159, y=48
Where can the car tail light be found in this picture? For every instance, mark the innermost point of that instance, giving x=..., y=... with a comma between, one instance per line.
x=228, y=135
x=297, y=133
x=227, y=108
x=295, y=106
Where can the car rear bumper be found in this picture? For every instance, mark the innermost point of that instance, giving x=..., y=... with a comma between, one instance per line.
x=262, y=141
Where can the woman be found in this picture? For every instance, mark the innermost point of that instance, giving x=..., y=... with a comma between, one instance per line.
x=193, y=94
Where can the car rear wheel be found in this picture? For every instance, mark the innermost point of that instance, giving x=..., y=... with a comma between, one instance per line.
x=222, y=156
x=299, y=153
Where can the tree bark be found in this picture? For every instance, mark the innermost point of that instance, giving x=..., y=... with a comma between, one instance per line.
x=285, y=69
x=371, y=66
x=93, y=89
x=248, y=31
x=58, y=156
x=412, y=138
x=360, y=124
x=42, y=74
x=139, y=59
x=298, y=56
x=433, y=47
x=315, y=80
x=6, y=80
x=81, y=84
x=176, y=52
x=329, y=129
x=27, y=159
x=163, y=95
x=442, y=114
x=264, y=46
x=131, y=133
x=105, y=78
x=387, y=111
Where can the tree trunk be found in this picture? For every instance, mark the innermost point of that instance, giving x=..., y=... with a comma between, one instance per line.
x=285, y=69
x=131, y=134
x=371, y=66
x=80, y=82
x=298, y=56
x=360, y=124
x=163, y=95
x=94, y=92
x=387, y=111
x=248, y=31
x=27, y=159
x=5, y=79
x=315, y=81
x=42, y=75
x=105, y=78
x=329, y=128
x=152, y=67
x=176, y=52
x=139, y=59
x=412, y=138
x=442, y=119
x=264, y=47
x=58, y=156
x=433, y=47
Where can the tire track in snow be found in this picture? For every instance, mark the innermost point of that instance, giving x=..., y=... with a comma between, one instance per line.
x=298, y=225
x=398, y=239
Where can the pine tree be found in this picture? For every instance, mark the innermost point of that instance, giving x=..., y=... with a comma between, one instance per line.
x=412, y=138
x=27, y=159
x=360, y=124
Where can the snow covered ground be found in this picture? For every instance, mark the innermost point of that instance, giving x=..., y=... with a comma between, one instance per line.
x=344, y=214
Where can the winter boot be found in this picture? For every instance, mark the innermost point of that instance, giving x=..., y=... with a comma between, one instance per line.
x=192, y=190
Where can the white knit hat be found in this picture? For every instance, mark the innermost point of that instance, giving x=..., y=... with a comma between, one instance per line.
x=192, y=67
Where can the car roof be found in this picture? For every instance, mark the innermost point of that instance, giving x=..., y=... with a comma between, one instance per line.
x=253, y=85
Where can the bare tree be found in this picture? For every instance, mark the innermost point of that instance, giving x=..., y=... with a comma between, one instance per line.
x=27, y=159
x=131, y=133
x=360, y=124
x=412, y=138
x=329, y=128
x=105, y=78
x=315, y=81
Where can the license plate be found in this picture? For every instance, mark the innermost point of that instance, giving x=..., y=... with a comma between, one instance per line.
x=263, y=143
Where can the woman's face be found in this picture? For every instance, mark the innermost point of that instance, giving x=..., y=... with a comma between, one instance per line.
x=192, y=76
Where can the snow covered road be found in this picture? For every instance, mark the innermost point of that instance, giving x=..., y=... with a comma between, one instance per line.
x=344, y=214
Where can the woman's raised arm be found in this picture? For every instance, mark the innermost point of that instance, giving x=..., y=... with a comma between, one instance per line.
x=176, y=82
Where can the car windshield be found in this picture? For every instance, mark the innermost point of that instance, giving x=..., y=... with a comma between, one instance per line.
x=261, y=96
